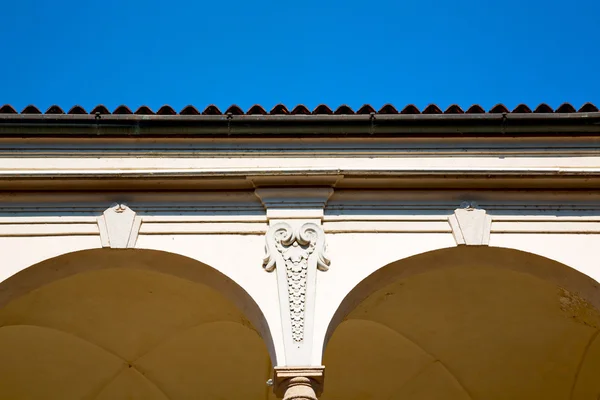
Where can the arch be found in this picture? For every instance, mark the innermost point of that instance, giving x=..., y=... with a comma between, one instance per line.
x=467, y=320
x=517, y=260
x=157, y=261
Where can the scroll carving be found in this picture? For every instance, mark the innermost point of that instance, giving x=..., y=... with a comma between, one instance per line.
x=294, y=248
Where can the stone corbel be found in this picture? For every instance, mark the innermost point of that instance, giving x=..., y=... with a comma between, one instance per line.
x=301, y=383
x=471, y=225
x=296, y=253
x=119, y=227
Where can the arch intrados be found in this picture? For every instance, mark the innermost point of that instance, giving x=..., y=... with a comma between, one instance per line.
x=65, y=265
x=536, y=265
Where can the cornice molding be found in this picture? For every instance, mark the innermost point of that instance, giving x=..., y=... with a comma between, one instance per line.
x=294, y=203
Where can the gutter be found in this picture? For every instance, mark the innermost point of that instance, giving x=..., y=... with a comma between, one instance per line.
x=293, y=126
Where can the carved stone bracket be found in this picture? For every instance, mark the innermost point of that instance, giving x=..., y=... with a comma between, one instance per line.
x=119, y=227
x=295, y=251
x=302, y=383
x=471, y=225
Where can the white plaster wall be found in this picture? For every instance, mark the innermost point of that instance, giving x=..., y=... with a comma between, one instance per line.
x=578, y=251
x=19, y=253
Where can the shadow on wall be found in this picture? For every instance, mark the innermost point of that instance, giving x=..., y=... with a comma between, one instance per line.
x=467, y=323
x=121, y=324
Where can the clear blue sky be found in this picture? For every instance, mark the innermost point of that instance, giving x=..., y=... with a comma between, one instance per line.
x=334, y=52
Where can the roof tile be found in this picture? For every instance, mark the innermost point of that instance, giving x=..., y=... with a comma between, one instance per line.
x=77, y=110
x=499, y=109
x=166, y=110
x=344, y=110
x=366, y=109
x=543, y=109
x=522, y=109
x=144, y=110
x=475, y=109
x=31, y=110
x=234, y=110
x=410, y=109
x=122, y=110
x=256, y=110
x=191, y=110
x=211, y=110
x=588, y=107
x=454, y=109
x=432, y=109
x=100, y=109
x=7, y=109
x=300, y=109
x=321, y=109
x=279, y=109
x=388, y=109
x=54, y=110
x=566, y=108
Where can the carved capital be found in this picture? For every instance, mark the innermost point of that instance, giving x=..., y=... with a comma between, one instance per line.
x=471, y=225
x=302, y=383
x=119, y=227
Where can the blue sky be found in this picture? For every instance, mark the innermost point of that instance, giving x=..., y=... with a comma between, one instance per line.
x=309, y=52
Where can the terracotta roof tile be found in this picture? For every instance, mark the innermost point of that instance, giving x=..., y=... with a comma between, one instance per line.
x=100, y=109
x=388, y=109
x=344, y=110
x=432, y=109
x=166, y=110
x=279, y=109
x=543, y=109
x=77, y=110
x=54, y=110
x=454, y=109
x=256, y=110
x=410, y=109
x=522, y=109
x=191, y=110
x=31, y=110
x=7, y=109
x=588, y=107
x=234, y=110
x=499, y=109
x=366, y=109
x=211, y=110
x=122, y=110
x=566, y=108
x=300, y=109
x=475, y=109
x=321, y=109
x=144, y=110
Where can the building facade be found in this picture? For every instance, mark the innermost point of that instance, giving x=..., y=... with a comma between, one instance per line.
x=300, y=254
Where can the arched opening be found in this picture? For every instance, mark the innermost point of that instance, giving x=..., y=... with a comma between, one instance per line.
x=130, y=324
x=467, y=323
